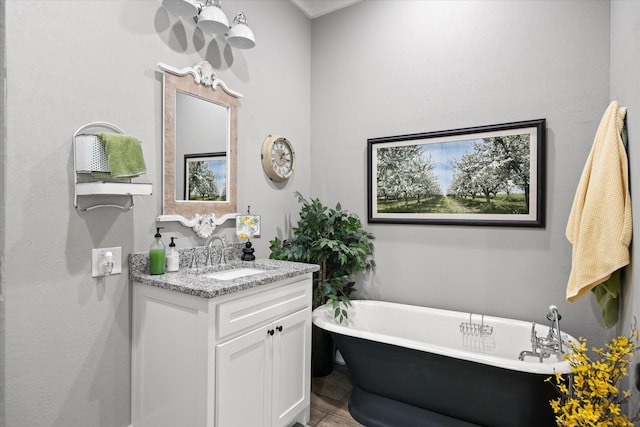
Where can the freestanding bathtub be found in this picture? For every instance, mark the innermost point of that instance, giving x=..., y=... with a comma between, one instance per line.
x=418, y=366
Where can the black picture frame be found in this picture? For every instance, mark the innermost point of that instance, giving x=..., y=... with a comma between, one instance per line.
x=215, y=172
x=491, y=175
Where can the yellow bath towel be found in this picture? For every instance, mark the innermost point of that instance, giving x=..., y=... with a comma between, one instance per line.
x=599, y=226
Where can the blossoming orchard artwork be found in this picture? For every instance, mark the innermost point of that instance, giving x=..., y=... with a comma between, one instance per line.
x=205, y=177
x=487, y=175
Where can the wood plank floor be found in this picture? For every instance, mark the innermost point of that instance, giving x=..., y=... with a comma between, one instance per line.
x=330, y=398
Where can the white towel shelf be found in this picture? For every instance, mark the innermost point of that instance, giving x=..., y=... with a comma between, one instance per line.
x=88, y=157
x=106, y=188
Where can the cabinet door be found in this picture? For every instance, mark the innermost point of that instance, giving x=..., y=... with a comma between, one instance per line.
x=243, y=380
x=169, y=359
x=291, y=367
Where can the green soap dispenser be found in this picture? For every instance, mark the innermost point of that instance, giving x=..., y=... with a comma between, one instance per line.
x=157, y=255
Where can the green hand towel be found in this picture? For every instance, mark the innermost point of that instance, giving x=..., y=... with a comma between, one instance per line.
x=606, y=294
x=124, y=154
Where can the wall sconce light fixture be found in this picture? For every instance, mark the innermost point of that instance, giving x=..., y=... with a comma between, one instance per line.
x=211, y=19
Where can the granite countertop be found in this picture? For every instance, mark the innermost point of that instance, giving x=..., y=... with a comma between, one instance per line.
x=193, y=281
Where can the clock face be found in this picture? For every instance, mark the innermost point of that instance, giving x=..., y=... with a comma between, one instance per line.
x=281, y=158
x=278, y=158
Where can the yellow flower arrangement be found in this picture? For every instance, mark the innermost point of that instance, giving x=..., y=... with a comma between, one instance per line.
x=591, y=397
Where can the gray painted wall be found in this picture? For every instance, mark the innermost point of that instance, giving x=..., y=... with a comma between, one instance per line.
x=625, y=67
x=67, y=358
x=328, y=86
x=3, y=143
x=382, y=68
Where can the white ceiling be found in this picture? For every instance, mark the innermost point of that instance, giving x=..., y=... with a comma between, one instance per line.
x=315, y=8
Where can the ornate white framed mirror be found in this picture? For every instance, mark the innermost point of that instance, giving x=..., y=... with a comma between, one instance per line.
x=199, y=148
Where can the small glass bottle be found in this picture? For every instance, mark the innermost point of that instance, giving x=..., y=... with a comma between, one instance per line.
x=157, y=255
x=173, y=257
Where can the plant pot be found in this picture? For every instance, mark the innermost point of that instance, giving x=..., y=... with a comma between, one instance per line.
x=322, y=352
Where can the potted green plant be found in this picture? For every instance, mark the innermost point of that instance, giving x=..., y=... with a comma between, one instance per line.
x=336, y=240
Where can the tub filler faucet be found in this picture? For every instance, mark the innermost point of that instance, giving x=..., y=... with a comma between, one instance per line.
x=543, y=347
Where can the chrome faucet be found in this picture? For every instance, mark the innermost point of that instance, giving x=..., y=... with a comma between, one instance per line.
x=543, y=347
x=223, y=247
x=554, y=337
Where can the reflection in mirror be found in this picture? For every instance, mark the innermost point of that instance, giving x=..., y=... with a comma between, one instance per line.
x=200, y=140
x=202, y=136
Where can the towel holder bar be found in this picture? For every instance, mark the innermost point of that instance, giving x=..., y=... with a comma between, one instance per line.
x=124, y=208
x=98, y=124
x=88, y=157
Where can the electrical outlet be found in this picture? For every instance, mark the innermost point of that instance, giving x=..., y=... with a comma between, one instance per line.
x=97, y=261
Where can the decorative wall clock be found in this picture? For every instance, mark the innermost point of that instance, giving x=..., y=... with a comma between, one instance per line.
x=278, y=158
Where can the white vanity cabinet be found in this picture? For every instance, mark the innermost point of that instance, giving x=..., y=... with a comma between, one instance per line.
x=263, y=369
x=238, y=360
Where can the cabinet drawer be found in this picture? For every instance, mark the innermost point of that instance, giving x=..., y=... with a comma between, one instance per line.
x=243, y=313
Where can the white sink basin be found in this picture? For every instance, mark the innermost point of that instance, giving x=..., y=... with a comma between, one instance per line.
x=233, y=273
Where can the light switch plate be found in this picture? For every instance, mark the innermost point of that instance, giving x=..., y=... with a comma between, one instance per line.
x=97, y=257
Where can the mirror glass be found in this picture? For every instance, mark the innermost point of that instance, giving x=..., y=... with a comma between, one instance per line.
x=200, y=140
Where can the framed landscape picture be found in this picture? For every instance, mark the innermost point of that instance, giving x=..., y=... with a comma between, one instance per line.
x=486, y=175
x=205, y=177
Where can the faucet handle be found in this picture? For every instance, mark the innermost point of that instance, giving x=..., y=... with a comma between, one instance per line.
x=194, y=259
x=207, y=262
x=550, y=315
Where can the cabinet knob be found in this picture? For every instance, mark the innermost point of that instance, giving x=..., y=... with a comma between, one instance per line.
x=270, y=332
x=279, y=328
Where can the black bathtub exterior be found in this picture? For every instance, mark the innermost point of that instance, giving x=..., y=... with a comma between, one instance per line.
x=397, y=386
